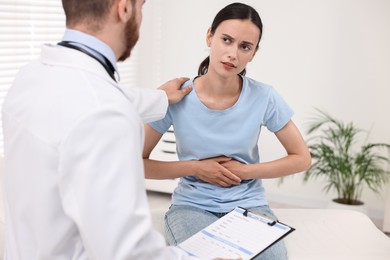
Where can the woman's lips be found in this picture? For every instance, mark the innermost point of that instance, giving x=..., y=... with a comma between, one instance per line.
x=228, y=65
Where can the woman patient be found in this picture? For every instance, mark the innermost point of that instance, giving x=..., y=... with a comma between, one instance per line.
x=217, y=127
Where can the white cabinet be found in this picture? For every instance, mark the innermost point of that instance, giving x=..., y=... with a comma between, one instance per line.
x=165, y=150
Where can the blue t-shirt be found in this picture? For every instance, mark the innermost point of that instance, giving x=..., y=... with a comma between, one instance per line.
x=204, y=133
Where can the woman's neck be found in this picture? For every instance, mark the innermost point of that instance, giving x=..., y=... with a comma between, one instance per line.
x=216, y=92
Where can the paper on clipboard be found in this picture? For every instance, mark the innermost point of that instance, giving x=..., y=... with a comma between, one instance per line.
x=239, y=234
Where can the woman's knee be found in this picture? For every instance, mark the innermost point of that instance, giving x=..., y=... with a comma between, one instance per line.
x=181, y=222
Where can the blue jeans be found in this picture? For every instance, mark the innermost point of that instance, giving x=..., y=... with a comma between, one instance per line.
x=181, y=222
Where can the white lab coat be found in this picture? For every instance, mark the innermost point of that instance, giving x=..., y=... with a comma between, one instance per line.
x=74, y=182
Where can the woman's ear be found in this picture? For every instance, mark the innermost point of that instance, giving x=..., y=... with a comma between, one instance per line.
x=209, y=37
x=124, y=10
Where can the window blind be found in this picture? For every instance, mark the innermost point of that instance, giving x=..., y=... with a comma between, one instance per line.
x=24, y=26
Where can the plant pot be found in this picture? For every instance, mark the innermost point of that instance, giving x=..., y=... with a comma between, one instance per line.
x=357, y=207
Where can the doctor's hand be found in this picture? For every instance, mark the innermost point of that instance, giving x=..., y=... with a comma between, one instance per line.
x=173, y=91
x=211, y=171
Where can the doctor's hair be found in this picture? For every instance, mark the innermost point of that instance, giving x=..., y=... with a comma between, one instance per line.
x=92, y=13
x=233, y=11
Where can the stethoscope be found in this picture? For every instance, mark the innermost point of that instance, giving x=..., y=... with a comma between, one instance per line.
x=107, y=64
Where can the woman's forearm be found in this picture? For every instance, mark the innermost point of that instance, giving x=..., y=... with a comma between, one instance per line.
x=167, y=170
x=208, y=170
x=281, y=167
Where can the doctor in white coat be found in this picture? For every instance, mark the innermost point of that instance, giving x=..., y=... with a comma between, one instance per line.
x=74, y=177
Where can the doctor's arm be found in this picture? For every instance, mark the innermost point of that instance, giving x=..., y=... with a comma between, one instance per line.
x=297, y=159
x=208, y=170
x=152, y=104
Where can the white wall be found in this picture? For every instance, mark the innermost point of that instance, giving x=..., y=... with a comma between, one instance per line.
x=330, y=54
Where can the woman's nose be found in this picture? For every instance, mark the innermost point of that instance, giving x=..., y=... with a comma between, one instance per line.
x=232, y=54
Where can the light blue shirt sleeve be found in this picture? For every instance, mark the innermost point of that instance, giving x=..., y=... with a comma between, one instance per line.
x=162, y=125
x=278, y=112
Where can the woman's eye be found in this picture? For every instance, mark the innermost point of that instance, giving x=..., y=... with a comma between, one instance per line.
x=226, y=40
x=246, y=47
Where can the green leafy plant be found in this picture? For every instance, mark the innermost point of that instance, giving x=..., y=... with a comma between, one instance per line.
x=346, y=163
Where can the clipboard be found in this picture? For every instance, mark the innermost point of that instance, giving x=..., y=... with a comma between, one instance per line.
x=239, y=234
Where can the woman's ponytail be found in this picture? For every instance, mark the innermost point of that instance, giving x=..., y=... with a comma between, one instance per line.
x=204, y=66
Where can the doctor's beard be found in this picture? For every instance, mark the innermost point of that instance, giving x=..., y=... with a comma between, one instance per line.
x=131, y=35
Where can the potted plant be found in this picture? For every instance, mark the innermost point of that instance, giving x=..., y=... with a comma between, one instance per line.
x=347, y=163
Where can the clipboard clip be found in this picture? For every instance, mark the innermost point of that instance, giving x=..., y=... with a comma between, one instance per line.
x=270, y=222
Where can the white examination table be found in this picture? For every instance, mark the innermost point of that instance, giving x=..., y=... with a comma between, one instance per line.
x=325, y=234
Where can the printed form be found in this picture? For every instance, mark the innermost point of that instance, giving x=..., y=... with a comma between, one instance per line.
x=240, y=233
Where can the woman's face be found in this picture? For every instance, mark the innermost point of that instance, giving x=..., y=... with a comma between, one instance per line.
x=232, y=46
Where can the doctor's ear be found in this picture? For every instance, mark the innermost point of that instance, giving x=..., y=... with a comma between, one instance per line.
x=124, y=10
